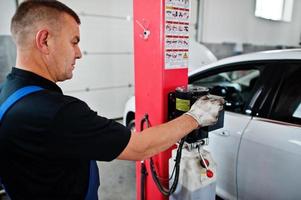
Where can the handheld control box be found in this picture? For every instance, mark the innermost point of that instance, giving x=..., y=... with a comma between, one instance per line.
x=180, y=102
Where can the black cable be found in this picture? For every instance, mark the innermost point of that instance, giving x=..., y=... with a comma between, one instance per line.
x=143, y=167
x=165, y=191
x=142, y=181
x=176, y=170
x=155, y=176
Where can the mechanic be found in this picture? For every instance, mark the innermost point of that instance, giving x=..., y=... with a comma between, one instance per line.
x=48, y=139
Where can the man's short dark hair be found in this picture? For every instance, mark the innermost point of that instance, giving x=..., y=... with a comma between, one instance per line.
x=31, y=12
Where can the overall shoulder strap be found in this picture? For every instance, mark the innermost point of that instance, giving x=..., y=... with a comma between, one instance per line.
x=17, y=95
x=13, y=98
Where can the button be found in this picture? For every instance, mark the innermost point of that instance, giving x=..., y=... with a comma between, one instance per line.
x=209, y=173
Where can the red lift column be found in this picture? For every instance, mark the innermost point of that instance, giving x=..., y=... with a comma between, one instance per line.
x=161, y=38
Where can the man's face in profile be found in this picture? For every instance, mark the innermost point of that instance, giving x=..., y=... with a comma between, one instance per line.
x=64, y=49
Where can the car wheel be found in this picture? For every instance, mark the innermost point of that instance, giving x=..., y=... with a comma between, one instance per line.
x=131, y=125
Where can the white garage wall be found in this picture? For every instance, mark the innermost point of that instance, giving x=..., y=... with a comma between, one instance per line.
x=7, y=10
x=234, y=21
x=7, y=46
x=104, y=76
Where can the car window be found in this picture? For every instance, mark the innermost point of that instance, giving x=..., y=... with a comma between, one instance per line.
x=236, y=86
x=287, y=106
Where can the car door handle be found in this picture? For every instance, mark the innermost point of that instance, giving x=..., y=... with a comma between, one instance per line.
x=224, y=133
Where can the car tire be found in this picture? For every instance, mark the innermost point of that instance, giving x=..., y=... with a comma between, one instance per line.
x=131, y=125
x=218, y=198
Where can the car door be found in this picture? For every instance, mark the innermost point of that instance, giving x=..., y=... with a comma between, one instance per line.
x=236, y=83
x=269, y=159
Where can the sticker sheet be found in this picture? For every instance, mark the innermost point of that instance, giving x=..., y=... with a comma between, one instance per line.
x=177, y=15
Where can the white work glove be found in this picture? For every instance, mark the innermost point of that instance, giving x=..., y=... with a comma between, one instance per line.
x=205, y=110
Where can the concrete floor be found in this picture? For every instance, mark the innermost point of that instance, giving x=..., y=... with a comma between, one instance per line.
x=117, y=180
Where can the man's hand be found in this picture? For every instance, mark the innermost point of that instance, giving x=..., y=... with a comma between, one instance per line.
x=205, y=110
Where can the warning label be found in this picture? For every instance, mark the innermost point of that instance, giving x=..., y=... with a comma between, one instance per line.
x=177, y=14
x=182, y=104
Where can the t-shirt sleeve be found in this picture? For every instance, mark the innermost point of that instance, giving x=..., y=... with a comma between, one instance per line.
x=78, y=132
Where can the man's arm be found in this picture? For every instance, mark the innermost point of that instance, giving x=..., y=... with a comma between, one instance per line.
x=156, y=139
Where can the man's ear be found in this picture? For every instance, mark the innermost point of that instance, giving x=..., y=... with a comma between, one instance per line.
x=41, y=40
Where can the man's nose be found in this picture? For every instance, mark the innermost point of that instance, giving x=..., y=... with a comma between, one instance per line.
x=78, y=53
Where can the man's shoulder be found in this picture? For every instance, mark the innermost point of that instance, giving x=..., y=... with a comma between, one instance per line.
x=48, y=104
x=53, y=95
x=53, y=100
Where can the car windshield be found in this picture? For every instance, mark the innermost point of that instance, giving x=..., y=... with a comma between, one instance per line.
x=237, y=79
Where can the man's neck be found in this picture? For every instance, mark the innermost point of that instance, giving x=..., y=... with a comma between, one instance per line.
x=29, y=63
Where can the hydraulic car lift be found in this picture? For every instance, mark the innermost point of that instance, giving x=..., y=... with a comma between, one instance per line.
x=161, y=35
x=161, y=48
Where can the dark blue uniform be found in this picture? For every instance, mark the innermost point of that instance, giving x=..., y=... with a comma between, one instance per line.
x=47, y=140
